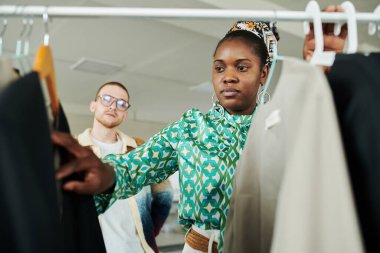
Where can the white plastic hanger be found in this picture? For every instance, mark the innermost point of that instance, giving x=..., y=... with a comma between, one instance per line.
x=25, y=52
x=22, y=47
x=349, y=9
x=18, y=52
x=374, y=27
x=326, y=58
x=5, y=24
x=275, y=58
x=319, y=57
x=7, y=74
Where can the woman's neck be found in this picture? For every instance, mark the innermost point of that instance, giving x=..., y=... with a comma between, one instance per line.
x=247, y=111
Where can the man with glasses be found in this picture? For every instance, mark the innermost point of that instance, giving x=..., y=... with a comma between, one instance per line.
x=130, y=225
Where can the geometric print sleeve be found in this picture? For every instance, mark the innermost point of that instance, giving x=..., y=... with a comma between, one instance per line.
x=150, y=163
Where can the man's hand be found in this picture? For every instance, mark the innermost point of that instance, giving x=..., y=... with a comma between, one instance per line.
x=331, y=42
x=97, y=176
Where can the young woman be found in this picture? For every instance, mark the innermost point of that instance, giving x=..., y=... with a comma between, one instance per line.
x=204, y=148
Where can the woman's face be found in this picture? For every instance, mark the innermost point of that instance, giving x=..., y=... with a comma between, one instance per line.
x=236, y=76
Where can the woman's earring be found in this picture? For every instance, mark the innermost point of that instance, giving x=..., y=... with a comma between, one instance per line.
x=214, y=101
x=217, y=107
x=262, y=95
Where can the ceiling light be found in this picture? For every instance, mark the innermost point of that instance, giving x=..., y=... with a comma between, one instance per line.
x=96, y=66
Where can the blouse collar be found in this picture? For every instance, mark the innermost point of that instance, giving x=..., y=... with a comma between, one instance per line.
x=243, y=122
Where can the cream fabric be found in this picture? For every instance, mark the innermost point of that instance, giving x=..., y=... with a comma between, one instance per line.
x=85, y=139
x=119, y=229
x=108, y=148
x=292, y=193
x=139, y=228
x=188, y=249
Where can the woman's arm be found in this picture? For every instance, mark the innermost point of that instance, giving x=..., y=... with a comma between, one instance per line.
x=150, y=163
x=119, y=176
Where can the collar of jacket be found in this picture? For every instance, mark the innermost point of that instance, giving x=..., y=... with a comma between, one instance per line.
x=85, y=139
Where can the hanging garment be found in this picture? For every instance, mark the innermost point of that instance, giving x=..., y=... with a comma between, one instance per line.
x=32, y=219
x=29, y=215
x=355, y=83
x=291, y=190
x=81, y=229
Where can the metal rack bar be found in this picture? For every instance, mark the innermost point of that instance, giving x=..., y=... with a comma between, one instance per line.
x=168, y=13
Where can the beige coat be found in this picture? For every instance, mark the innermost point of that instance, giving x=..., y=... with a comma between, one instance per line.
x=292, y=192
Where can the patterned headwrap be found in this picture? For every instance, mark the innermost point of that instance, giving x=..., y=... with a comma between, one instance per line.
x=262, y=31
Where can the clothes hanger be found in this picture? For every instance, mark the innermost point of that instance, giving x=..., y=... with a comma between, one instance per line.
x=7, y=74
x=5, y=25
x=352, y=36
x=275, y=58
x=25, y=52
x=22, y=47
x=319, y=57
x=374, y=27
x=18, y=51
x=43, y=64
x=352, y=29
x=327, y=58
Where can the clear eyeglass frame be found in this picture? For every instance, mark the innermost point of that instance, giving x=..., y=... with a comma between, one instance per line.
x=121, y=104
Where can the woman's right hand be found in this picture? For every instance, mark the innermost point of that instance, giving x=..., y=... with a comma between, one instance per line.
x=97, y=176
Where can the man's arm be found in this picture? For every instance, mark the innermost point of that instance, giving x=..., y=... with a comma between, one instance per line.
x=148, y=164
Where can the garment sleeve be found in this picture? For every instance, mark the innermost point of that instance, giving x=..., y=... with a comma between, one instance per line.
x=150, y=163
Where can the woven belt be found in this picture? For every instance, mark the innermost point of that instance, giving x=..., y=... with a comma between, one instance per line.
x=199, y=242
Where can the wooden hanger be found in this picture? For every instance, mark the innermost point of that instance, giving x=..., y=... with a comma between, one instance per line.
x=44, y=65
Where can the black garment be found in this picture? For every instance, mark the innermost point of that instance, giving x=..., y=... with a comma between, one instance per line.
x=355, y=83
x=80, y=224
x=31, y=220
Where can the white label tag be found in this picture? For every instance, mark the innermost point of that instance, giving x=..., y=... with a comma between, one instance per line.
x=273, y=119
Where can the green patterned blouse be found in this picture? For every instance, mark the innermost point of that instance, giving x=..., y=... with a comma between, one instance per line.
x=204, y=148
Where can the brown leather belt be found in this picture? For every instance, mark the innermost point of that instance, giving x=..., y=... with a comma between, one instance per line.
x=199, y=242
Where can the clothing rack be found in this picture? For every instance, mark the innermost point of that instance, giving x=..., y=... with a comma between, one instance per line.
x=94, y=12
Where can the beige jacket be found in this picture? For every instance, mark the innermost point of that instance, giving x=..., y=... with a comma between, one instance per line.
x=85, y=140
x=292, y=192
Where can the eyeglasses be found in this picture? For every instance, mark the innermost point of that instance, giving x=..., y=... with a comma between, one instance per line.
x=121, y=104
